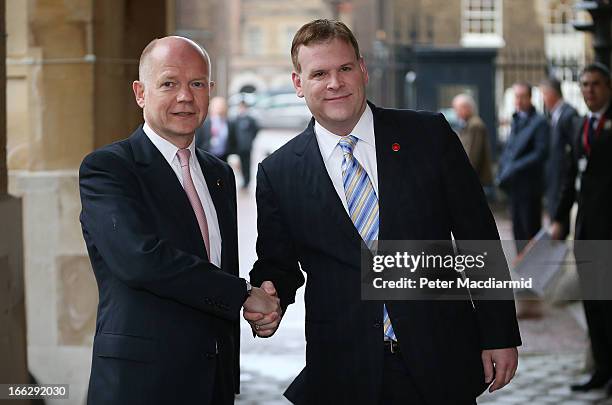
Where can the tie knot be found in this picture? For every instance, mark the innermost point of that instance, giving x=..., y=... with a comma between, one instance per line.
x=347, y=143
x=183, y=156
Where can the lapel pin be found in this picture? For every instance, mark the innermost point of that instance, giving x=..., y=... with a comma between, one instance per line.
x=219, y=183
x=395, y=147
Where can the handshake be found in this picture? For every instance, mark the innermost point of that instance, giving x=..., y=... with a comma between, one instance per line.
x=262, y=310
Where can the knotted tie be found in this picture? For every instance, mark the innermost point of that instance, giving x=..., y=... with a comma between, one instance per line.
x=362, y=204
x=192, y=195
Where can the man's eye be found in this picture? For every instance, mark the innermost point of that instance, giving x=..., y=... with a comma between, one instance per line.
x=167, y=84
x=198, y=84
x=346, y=68
x=318, y=74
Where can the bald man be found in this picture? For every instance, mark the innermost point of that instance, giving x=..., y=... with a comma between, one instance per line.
x=159, y=221
x=474, y=137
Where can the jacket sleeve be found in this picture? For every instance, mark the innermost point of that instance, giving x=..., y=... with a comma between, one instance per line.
x=472, y=221
x=120, y=229
x=568, y=188
x=277, y=259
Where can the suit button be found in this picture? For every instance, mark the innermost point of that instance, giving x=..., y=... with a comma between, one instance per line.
x=377, y=325
x=209, y=356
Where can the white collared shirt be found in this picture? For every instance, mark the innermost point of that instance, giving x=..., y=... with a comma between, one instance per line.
x=168, y=150
x=555, y=113
x=364, y=152
x=597, y=114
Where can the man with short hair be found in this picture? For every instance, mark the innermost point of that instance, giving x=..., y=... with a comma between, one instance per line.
x=217, y=136
x=562, y=119
x=590, y=185
x=159, y=221
x=362, y=174
x=521, y=166
x=245, y=128
x=474, y=137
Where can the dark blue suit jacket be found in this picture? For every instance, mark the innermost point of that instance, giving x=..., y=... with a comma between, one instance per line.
x=521, y=165
x=427, y=190
x=562, y=134
x=167, y=317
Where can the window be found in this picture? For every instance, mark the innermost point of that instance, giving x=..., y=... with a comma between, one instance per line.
x=560, y=15
x=482, y=23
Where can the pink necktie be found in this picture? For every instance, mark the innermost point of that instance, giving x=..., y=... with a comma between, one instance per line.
x=192, y=195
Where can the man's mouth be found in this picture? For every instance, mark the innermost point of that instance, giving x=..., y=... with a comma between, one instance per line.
x=338, y=98
x=183, y=113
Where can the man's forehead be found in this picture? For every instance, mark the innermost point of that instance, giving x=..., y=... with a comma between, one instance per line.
x=592, y=77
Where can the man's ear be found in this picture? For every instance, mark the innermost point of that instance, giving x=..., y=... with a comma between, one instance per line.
x=138, y=88
x=364, y=69
x=297, y=83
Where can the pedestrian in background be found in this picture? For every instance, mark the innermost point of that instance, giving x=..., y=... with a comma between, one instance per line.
x=217, y=134
x=246, y=128
x=474, y=137
x=563, y=119
x=521, y=166
x=590, y=184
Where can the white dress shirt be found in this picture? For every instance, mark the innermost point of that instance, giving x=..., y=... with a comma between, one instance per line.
x=168, y=150
x=364, y=152
x=597, y=114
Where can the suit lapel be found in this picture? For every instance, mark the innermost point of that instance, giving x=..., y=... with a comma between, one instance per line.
x=392, y=174
x=158, y=174
x=316, y=181
x=216, y=186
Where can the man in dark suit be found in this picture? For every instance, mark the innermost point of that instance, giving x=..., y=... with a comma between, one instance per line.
x=562, y=129
x=590, y=184
x=360, y=173
x=159, y=220
x=521, y=166
x=245, y=129
x=218, y=135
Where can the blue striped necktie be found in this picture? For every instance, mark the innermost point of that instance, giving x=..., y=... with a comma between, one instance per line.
x=362, y=204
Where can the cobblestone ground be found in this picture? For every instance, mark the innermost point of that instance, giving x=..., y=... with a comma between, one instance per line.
x=551, y=358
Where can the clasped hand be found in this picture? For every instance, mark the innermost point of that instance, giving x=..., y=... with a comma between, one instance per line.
x=262, y=310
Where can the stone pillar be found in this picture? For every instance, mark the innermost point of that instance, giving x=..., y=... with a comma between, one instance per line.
x=13, y=367
x=70, y=65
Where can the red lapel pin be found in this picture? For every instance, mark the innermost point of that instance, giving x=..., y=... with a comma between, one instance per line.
x=395, y=147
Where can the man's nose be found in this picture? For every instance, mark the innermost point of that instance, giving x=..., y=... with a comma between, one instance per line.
x=184, y=94
x=335, y=82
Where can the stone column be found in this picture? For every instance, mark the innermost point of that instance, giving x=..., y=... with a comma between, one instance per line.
x=70, y=65
x=13, y=367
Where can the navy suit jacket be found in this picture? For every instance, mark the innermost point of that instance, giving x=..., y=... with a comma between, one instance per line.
x=594, y=218
x=167, y=317
x=521, y=165
x=562, y=134
x=427, y=190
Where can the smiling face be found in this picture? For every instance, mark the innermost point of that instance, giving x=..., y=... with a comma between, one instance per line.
x=175, y=90
x=332, y=80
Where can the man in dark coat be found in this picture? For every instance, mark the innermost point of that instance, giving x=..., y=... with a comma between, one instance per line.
x=361, y=174
x=590, y=185
x=521, y=166
x=562, y=118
